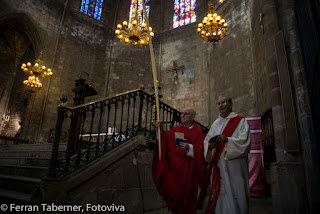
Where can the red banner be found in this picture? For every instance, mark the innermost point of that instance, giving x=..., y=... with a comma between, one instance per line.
x=257, y=180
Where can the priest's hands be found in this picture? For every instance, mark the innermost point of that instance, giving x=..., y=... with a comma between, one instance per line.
x=222, y=139
x=212, y=146
x=217, y=140
x=158, y=124
x=184, y=146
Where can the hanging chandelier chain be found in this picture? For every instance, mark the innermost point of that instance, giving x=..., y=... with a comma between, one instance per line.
x=212, y=6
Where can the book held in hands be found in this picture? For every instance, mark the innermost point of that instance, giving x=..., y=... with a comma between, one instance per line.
x=179, y=138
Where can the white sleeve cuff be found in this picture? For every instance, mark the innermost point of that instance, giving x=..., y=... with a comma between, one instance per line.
x=190, y=153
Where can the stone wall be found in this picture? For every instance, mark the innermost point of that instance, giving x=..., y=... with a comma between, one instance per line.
x=308, y=145
x=73, y=43
x=12, y=111
x=231, y=62
x=279, y=19
x=245, y=66
x=122, y=176
x=185, y=46
x=130, y=66
x=84, y=45
x=19, y=42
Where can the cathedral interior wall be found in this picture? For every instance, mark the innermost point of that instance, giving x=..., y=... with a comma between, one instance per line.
x=231, y=64
x=73, y=44
x=85, y=46
x=243, y=66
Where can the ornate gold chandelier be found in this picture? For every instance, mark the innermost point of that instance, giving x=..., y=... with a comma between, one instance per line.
x=212, y=28
x=33, y=83
x=135, y=34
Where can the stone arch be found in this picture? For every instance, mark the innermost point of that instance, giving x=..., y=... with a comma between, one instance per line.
x=19, y=42
x=26, y=25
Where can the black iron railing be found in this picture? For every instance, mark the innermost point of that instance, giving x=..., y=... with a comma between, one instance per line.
x=98, y=127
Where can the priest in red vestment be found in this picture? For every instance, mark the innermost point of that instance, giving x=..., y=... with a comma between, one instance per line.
x=181, y=170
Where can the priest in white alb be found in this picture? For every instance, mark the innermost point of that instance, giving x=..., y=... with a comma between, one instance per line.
x=226, y=149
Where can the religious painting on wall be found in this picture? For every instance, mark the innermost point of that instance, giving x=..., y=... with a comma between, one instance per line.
x=63, y=136
x=92, y=8
x=184, y=12
x=136, y=7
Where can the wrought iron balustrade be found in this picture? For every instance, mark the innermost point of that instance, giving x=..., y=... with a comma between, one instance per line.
x=98, y=127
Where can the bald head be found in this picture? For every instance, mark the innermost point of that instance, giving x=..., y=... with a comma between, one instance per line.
x=189, y=110
x=187, y=116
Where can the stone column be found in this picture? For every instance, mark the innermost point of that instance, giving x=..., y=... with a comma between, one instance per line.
x=287, y=174
x=308, y=144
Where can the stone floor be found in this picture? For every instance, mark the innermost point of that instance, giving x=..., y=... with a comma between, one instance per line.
x=257, y=206
x=260, y=206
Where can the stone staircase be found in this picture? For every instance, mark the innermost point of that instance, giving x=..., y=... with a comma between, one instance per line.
x=21, y=169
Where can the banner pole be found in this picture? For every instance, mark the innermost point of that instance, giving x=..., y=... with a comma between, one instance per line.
x=154, y=72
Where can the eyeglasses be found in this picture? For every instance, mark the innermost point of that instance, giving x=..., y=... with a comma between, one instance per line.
x=222, y=103
x=186, y=113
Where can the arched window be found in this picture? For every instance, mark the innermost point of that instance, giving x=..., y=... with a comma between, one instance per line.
x=136, y=7
x=184, y=12
x=92, y=8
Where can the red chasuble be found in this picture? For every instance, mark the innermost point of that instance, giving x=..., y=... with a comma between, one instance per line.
x=177, y=176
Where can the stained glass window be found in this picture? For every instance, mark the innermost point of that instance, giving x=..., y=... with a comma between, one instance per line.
x=136, y=7
x=92, y=8
x=184, y=12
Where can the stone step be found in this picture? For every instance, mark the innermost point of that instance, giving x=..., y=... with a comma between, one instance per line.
x=32, y=147
x=27, y=171
x=10, y=196
x=40, y=162
x=28, y=154
x=18, y=183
